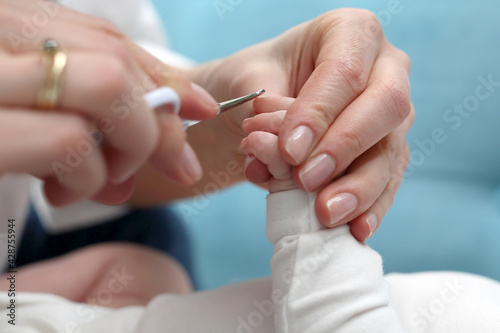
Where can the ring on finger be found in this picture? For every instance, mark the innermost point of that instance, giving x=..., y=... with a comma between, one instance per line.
x=54, y=62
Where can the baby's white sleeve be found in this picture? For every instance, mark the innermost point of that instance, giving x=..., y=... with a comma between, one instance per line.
x=324, y=280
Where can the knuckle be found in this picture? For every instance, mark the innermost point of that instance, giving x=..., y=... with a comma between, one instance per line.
x=366, y=18
x=352, y=71
x=364, y=21
x=321, y=115
x=363, y=15
x=352, y=140
x=113, y=77
x=398, y=98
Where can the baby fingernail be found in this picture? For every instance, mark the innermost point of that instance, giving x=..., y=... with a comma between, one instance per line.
x=341, y=206
x=299, y=143
x=372, y=222
x=190, y=162
x=249, y=159
x=203, y=95
x=317, y=171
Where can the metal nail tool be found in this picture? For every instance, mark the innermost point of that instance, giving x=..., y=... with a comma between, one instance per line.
x=168, y=96
x=228, y=105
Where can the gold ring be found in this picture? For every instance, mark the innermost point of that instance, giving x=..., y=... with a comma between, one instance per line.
x=53, y=62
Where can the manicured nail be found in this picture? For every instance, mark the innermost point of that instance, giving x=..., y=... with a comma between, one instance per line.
x=299, y=143
x=372, y=222
x=203, y=95
x=191, y=164
x=316, y=172
x=340, y=206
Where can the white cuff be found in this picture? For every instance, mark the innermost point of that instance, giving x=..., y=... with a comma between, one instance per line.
x=286, y=212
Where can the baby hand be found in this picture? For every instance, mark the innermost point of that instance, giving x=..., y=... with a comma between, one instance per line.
x=264, y=161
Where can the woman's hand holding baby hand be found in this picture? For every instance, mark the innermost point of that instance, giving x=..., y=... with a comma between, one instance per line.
x=261, y=143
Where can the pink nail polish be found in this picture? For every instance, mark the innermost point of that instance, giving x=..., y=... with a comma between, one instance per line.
x=299, y=143
x=317, y=171
x=341, y=206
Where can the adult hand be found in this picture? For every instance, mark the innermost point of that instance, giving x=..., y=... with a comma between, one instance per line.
x=351, y=95
x=102, y=131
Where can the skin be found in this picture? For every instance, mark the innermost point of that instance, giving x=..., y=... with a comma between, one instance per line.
x=268, y=120
x=337, y=75
x=341, y=54
x=114, y=67
x=144, y=274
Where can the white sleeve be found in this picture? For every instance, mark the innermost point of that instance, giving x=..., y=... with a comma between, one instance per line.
x=323, y=281
x=329, y=281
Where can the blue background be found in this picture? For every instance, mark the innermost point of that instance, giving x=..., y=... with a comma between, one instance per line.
x=447, y=212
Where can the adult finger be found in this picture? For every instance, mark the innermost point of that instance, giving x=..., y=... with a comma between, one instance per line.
x=73, y=30
x=340, y=60
x=52, y=147
x=178, y=161
x=365, y=225
x=95, y=90
x=365, y=181
x=382, y=107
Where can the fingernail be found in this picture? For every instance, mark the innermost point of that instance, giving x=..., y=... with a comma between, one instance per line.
x=340, y=206
x=249, y=159
x=191, y=164
x=316, y=172
x=299, y=143
x=204, y=95
x=372, y=222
